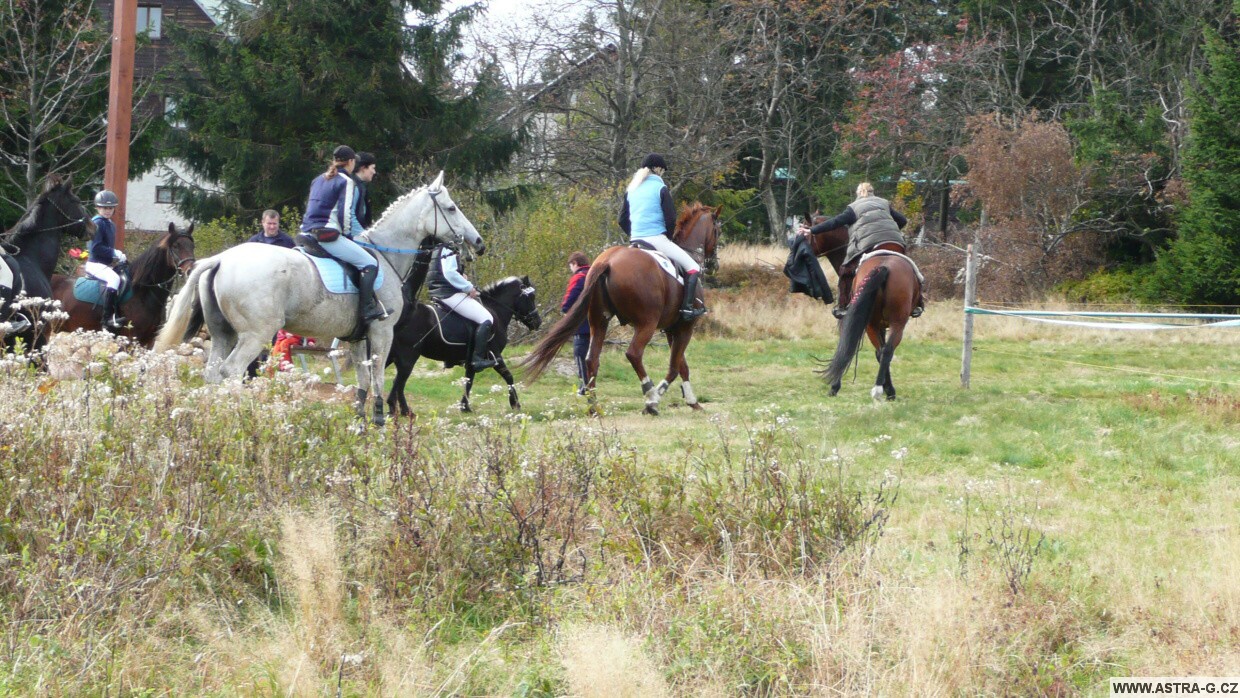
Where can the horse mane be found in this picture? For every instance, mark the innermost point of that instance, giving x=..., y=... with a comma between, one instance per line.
x=397, y=204
x=491, y=288
x=28, y=225
x=687, y=216
x=146, y=264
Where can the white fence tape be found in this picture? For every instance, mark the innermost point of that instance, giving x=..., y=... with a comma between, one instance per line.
x=1047, y=316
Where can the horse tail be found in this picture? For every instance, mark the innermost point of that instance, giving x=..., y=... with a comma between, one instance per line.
x=562, y=331
x=185, y=317
x=854, y=323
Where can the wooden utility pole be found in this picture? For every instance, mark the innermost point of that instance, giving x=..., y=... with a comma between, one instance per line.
x=120, y=108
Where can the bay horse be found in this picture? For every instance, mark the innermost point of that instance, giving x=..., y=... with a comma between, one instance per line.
x=884, y=295
x=628, y=284
x=246, y=293
x=418, y=334
x=30, y=251
x=152, y=274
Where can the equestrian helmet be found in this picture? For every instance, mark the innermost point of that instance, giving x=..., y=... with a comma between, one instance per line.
x=654, y=160
x=344, y=153
x=107, y=199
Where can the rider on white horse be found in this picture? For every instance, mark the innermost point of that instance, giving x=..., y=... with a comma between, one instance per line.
x=104, y=255
x=649, y=215
x=330, y=219
x=448, y=285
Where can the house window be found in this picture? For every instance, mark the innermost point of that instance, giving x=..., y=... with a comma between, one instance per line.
x=166, y=195
x=150, y=20
x=170, y=113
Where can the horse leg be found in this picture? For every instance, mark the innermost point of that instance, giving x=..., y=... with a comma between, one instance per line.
x=679, y=366
x=469, y=384
x=598, y=337
x=637, y=347
x=248, y=345
x=404, y=366
x=885, y=355
x=502, y=369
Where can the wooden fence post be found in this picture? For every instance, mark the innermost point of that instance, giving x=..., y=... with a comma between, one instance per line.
x=970, y=297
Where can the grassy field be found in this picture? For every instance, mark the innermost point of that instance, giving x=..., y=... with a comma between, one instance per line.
x=1070, y=518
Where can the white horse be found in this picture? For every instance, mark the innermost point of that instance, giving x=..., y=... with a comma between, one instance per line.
x=246, y=293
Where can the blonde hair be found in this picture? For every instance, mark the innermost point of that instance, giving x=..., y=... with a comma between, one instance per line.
x=865, y=189
x=638, y=177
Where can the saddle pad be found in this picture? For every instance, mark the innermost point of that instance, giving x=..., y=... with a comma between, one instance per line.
x=333, y=276
x=458, y=328
x=88, y=289
x=664, y=263
x=920, y=279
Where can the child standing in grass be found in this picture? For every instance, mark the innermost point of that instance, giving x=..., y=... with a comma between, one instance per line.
x=578, y=266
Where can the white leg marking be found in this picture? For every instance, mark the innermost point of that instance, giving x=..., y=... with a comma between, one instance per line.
x=687, y=391
x=877, y=392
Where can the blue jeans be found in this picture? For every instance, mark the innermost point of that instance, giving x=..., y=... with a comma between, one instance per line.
x=350, y=252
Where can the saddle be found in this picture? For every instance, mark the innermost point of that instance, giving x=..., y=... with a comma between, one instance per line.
x=453, y=330
x=664, y=263
x=89, y=288
x=309, y=245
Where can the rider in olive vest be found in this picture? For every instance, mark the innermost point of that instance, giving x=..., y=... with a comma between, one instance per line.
x=872, y=224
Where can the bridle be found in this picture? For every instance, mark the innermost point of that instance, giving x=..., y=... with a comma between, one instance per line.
x=424, y=250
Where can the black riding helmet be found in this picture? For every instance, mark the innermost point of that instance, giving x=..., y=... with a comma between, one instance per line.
x=654, y=160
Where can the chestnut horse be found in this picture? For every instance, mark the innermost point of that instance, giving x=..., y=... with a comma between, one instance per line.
x=628, y=284
x=152, y=274
x=884, y=295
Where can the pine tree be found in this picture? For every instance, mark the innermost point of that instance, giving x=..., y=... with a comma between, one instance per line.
x=1203, y=264
x=265, y=105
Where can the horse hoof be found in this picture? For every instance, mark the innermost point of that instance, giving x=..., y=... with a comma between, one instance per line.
x=466, y=408
x=876, y=393
x=651, y=410
x=697, y=407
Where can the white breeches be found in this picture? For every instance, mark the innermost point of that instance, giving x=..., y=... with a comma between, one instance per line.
x=105, y=273
x=674, y=252
x=468, y=308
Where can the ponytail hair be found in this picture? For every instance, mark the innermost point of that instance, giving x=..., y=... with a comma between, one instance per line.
x=865, y=189
x=335, y=167
x=638, y=177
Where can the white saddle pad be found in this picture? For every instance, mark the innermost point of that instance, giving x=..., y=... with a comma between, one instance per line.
x=664, y=263
x=875, y=253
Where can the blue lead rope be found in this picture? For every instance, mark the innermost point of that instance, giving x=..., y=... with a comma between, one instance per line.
x=393, y=250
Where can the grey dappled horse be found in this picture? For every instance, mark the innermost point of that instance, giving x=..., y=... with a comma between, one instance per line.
x=246, y=293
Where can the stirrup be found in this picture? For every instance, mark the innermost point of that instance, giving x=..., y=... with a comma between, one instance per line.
x=692, y=313
x=839, y=312
x=917, y=311
x=376, y=313
x=116, y=322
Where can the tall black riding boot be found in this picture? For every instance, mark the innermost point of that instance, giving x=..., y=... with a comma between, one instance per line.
x=111, y=320
x=688, y=306
x=482, y=354
x=846, y=282
x=371, y=308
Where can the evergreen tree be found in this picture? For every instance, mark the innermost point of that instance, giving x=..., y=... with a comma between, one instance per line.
x=1203, y=264
x=265, y=105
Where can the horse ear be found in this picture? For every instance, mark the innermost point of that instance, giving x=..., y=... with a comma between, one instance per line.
x=172, y=228
x=525, y=281
x=190, y=231
x=718, y=211
x=438, y=183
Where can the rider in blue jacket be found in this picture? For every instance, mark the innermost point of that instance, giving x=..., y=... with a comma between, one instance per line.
x=649, y=215
x=329, y=217
x=104, y=256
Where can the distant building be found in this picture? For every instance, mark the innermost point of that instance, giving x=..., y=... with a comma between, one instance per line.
x=150, y=203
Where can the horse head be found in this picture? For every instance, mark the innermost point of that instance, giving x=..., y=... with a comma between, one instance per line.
x=178, y=247
x=60, y=209
x=697, y=231
x=525, y=307
x=427, y=212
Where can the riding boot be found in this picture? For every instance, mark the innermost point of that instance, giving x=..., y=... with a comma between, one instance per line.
x=111, y=320
x=846, y=281
x=688, y=307
x=919, y=308
x=371, y=308
x=482, y=354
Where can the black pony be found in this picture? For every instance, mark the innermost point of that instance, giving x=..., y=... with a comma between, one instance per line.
x=31, y=248
x=419, y=333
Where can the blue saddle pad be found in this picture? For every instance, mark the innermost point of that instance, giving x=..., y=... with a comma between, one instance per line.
x=90, y=290
x=333, y=276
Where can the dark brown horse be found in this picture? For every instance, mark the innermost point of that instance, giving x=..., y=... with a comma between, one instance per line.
x=627, y=284
x=884, y=296
x=152, y=274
